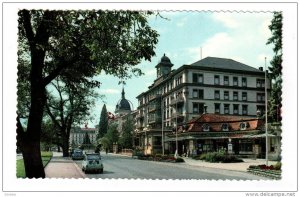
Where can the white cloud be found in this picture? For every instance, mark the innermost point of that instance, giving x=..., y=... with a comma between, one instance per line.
x=228, y=19
x=109, y=91
x=150, y=72
x=181, y=22
x=243, y=39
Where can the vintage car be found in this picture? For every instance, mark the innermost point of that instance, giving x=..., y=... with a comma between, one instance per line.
x=92, y=163
x=77, y=154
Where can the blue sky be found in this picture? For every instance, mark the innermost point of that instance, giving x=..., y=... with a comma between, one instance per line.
x=238, y=36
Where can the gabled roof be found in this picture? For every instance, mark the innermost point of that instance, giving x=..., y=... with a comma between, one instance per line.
x=215, y=121
x=223, y=63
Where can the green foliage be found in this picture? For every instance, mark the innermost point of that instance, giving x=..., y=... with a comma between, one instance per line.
x=179, y=159
x=126, y=138
x=103, y=124
x=202, y=156
x=112, y=134
x=104, y=143
x=20, y=169
x=276, y=67
x=46, y=154
x=74, y=46
x=86, y=139
x=220, y=156
x=277, y=166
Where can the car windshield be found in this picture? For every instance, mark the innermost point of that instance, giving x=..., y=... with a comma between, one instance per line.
x=78, y=151
x=93, y=157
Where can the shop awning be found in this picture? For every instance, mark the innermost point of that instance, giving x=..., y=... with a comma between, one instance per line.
x=235, y=136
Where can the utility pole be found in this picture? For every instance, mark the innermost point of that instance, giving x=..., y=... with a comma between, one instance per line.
x=266, y=113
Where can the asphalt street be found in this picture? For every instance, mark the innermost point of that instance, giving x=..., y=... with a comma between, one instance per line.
x=126, y=167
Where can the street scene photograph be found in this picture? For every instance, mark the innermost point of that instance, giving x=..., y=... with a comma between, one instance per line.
x=149, y=94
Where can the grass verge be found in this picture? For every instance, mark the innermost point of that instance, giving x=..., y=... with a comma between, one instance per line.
x=46, y=157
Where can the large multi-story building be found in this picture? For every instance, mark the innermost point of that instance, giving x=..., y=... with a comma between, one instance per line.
x=214, y=85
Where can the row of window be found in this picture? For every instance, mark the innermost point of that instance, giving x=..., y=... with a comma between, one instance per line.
x=225, y=126
x=198, y=78
x=226, y=108
x=235, y=96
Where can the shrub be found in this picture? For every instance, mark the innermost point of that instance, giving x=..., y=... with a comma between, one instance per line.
x=158, y=155
x=179, y=159
x=277, y=166
x=203, y=156
x=221, y=156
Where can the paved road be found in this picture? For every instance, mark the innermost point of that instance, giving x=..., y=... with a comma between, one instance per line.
x=125, y=167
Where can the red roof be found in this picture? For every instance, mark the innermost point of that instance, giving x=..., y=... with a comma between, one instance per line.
x=216, y=121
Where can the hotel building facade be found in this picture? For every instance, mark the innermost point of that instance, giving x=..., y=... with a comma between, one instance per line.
x=211, y=85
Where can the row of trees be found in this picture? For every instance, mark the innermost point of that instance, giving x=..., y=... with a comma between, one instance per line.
x=59, y=54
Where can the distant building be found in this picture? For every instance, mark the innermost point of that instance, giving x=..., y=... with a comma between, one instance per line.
x=217, y=85
x=123, y=111
x=77, y=135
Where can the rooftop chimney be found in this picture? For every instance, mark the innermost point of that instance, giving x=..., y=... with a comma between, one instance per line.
x=205, y=109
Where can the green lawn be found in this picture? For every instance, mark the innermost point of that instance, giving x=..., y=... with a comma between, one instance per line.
x=46, y=157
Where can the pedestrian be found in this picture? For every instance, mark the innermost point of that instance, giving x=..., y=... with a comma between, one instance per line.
x=106, y=150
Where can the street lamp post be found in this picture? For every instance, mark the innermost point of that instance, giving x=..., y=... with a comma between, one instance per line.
x=162, y=127
x=266, y=113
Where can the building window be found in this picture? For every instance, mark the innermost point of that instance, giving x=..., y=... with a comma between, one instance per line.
x=178, y=81
x=235, y=109
x=244, y=82
x=217, y=108
x=197, y=78
x=217, y=94
x=260, y=97
x=261, y=109
x=225, y=127
x=244, y=96
x=198, y=108
x=244, y=125
x=245, y=109
x=217, y=80
x=226, y=108
x=235, y=81
x=198, y=93
x=260, y=83
x=226, y=80
x=235, y=96
x=226, y=95
x=205, y=127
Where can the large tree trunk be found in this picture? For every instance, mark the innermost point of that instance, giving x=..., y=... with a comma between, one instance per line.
x=31, y=141
x=65, y=147
x=32, y=159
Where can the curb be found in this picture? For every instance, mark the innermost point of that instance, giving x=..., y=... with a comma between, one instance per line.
x=79, y=170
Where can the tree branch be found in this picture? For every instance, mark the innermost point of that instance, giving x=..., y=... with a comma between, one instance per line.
x=28, y=27
x=52, y=116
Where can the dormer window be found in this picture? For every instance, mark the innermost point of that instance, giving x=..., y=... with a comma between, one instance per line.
x=244, y=125
x=225, y=127
x=206, y=127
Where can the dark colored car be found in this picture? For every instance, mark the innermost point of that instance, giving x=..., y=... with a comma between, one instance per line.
x=77, y=154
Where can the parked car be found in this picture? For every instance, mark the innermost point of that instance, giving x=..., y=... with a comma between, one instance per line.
x=92, y=163
x=77, y=154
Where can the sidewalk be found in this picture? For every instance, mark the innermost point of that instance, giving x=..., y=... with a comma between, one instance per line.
x=62, y=167
x=242, y=166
